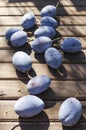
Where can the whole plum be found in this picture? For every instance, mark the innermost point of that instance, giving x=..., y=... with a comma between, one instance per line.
x=38, y=84
x=49, y=10
x=9, y=33
x=48, y=21
x=71, y=45
x=19, y=38
x=28, y=106
x=40, y=44
x=70, y=111
x=22, y=61
x=28, y=20
x=53, y=57
x=46, y=31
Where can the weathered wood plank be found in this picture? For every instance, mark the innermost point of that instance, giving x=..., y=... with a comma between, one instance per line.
x=61, y=11
x=39, y=126
x=58, y=89
x=64, y=20
x=69, y=71
x=62, y=30
x=67, y=58
x=5, y=45
x=50, y=112
x=41, y=3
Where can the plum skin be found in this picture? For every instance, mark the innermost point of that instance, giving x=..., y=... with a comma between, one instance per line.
x=49, y=10
x=19, y=39
x=40, y=44
x=70, y=111
x=38, y=84
x=53, y=57
x=22, y=61
x=28, y=20
x=9, y=33
x=48, y=21
x=71, y=45
x=28, y=106
x=46, y=31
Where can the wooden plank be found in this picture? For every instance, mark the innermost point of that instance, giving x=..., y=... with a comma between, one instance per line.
x=64, y=20
x=67, y=58
x=6, y=45
x=39, y=126
x=41, y=3
x=69, y=71
x=58, y=89
x=61, y=30
x=61, y=11
x=50, y=111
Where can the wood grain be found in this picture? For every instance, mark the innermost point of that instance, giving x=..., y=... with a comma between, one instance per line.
x=58, y=89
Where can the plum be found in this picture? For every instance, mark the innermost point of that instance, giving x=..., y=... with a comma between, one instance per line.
x=53, y=57
x=38, y=84
x=48, y=21
x=40, y=44
x=28, y=106
x=22, y=61
x=70, y=111
x=49, y=10
x=45, y=31
x=71, y=45
x=19, y=38
x=28, y=20
x=9, y=33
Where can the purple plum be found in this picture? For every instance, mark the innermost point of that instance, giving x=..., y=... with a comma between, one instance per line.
x=38, y=84
x=22, y=61
x=28, y=106
x=70, y=111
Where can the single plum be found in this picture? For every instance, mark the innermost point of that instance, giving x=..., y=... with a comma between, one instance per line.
x=46, y=31
x=9, y=33
x=19, y=38
x=38, y=84
x=53, y=57
x=40, y=44
x=28, y=20
x=71, y=45
x=48, y=21
x=22, y=61
x=28, y=106
x=70, y=111
x=49, y=10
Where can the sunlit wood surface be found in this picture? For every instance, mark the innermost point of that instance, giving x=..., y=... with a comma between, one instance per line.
x=71, y=15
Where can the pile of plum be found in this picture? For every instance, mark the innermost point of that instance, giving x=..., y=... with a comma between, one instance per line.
x=30, y=105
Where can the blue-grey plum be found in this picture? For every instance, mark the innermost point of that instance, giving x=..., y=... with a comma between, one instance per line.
x=9, y=33
x=19, y=38
x=40, y=44
x=71, y=45
x=22, y=61
x=70, y=111
x=38, y=84
x=53, y=57
x=49, y=10
x=45, y=31
x=28, y=106
x=28, y=20
x=48, y=21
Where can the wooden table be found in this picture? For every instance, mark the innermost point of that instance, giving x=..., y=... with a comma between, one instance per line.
x=72, y=17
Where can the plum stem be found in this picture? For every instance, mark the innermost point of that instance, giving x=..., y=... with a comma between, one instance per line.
x=31, y=39
x=22, y=91
x=61, y=74
x=5, y=113
x=57, y=4
x=55, y=45
x=55, y=39
x=77, y=94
